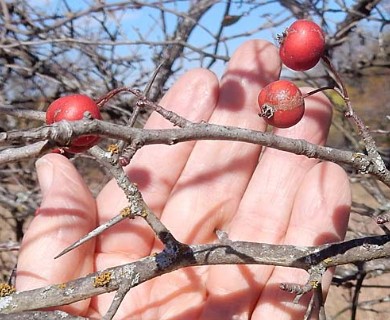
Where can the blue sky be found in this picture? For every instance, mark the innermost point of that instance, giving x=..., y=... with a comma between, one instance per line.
x=270, y=18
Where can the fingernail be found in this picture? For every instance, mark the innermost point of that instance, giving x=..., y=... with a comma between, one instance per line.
x=45, y=174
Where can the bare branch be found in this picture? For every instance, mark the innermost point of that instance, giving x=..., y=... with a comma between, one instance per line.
x=237, y=252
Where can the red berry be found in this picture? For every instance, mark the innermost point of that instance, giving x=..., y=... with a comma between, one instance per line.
x=58, y=150
x=281, y=104
x=71, y=108
x=302, y=45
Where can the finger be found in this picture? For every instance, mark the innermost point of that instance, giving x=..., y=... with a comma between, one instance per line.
x=265, y=209
x=67, y=212
x=217, y=172
x=156, y=168
x=320, y=215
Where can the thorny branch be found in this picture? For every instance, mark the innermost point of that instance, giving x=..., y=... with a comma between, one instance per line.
x=176, y=255
x=228, y=252
x=61, y=133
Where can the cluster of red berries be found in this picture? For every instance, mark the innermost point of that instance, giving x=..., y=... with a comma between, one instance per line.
x=281, y=102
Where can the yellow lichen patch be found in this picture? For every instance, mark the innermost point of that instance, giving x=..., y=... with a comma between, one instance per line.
x=62, y=285
x=328, y=260
x=6, y=289
x=126, y=212
x=102, y=279
x=144, y=213
x=113, y=148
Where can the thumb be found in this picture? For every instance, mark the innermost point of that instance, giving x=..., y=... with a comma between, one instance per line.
x=63, y=189
x=67, y=212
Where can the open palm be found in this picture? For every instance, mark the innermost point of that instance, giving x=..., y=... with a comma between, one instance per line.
x=254, y=194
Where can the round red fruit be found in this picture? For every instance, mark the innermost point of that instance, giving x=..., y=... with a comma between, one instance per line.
x=72, y=108
x=302, y=45
x=281, y=104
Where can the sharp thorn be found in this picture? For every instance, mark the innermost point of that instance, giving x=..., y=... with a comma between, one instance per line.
x=92, y=234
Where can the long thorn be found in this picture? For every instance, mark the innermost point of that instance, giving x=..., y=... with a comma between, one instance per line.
x=145, y=94
x=127, y=154
x=93, y=234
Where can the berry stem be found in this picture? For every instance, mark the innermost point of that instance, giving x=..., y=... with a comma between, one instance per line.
x=103, y=100
x=310, y=93
x=340, y=84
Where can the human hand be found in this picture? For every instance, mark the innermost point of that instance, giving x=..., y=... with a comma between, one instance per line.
x=196, y=188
